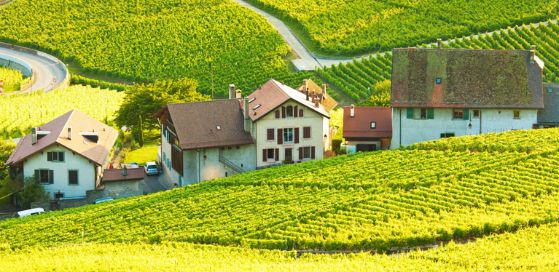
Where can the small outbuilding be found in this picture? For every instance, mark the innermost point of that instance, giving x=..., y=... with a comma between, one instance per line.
x=367, y=128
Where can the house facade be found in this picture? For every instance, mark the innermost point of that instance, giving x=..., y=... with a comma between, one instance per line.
x=67, y=155
x=438, y=93
x=549, y=116
x=274, y=125
x=367, y=128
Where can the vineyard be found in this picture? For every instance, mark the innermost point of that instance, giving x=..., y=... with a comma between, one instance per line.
x=355, y=202
x=18, y=113
x=337, y=27
x=12, y=79
x=357, y=79
x=528, y=249
x=216, y=42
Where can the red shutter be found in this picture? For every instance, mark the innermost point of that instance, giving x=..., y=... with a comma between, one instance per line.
x=301, y=113
x=296, y=135
x=280, y=136
x=295, y=111
x=264, y=155
x=306, y=132
x=270, y=134
x=312, y=152
x=277, y=114
x=282, y=112
x=300, y=153
x=277, y=154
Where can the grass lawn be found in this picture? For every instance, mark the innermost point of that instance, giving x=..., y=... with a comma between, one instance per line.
x=144, y=154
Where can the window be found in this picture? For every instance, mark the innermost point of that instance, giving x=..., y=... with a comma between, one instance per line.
x=438, y=81
x=277, y=114
x=516, y=114
x=306, y=132
x=270, y=134
x=270, y=154
x=289, y=111
x=476, y=113
x=301, y=113
x=423, y=114
x=306, y=152
x=458, y=114
x=447, y=134
x=288, y=135
x=373, y=125
x=73, y=177
x=44, y=176
x=55, y=156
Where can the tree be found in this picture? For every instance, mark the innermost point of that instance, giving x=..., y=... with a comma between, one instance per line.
x=142, y=101
x=381, y=94
x=33, y=191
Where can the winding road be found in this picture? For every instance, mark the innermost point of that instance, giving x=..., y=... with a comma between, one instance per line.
x=49, y=72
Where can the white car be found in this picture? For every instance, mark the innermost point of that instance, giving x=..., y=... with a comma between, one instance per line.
x=29, y=212
x=151, y=168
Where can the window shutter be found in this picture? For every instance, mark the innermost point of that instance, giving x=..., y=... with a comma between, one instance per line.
x=409, y=113
x=300, y=153
x=466, y=114
x=301, y=113
x=306, y=132
x=264, y=155
x=312, y=152
x=296, y=135
x=277, y=154
x=51, y=174
x=277, y=114
x=280, y=136
x=430, y=113
x=270, y=133
x=282, y=112
x=37, y=175
x=296, y=111
x=49, y=156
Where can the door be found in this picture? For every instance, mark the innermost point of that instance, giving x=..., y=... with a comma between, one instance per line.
x=366, y=147
x=288, y=155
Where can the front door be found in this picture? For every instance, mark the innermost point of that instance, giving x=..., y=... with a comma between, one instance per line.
x=288, y=155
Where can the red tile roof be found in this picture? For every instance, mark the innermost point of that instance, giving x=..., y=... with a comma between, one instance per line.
x=359, y=126
x=112, y=175
x=80, y=124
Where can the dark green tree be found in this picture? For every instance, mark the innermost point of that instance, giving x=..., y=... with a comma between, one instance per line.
x=33, y=191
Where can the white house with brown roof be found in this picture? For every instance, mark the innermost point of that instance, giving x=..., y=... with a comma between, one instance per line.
x=439, y=93
x=275, y=124
x=66, y=155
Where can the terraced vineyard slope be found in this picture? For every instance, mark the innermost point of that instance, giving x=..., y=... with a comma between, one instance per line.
x=18, y=113
x=376, y=201
x=358, y=78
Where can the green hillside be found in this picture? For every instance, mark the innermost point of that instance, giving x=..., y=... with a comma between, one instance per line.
x=375, y=201
x=12, y=79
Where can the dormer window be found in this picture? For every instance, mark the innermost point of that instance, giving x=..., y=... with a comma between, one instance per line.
x=91, y=136
x=373, y=125
x=251, y=100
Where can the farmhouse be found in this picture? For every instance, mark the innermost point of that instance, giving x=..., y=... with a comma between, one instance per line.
x=367, y=128
x=272, y=126
x=438, y=93
x=66, y=155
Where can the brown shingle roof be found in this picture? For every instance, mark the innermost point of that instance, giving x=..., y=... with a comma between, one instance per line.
x=79, y=123
x=113, y=175
x=272, y=95
x=209, y=124
x=329, y=103
x=469, y=78
x=359, y=126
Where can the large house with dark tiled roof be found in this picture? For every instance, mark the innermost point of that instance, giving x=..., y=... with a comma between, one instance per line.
x=274, y=125
x=439, y=93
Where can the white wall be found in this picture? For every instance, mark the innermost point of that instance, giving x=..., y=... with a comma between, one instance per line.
x=211, y=168
x=311, y=119
x=86, y=172
x=411, y=131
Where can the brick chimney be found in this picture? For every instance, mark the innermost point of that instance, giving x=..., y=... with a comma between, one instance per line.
x=69, y=133
x=33, y=136
x=246, y=115
x=323, y=91
x=238, y=94
x=232, y=93
x=532, y=53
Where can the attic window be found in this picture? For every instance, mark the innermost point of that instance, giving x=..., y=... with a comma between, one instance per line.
x=42, y=133
x=438, y=81
x=251, y=100
x=218, y=127
x=373, y=125
x=256, y=107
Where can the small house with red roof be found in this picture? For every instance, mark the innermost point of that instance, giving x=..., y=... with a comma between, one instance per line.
x=367, y=128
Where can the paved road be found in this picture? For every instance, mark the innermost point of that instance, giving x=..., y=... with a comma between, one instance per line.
x=49, y=72
x=155, y=184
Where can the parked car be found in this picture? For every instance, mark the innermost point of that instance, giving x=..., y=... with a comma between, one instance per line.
x=151, y=168
x=103, y=199
x=29, y=212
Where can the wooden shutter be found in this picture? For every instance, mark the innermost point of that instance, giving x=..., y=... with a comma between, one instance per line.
x=301, y=113
x=264, y=155
x=296, y=131
x=280, y=136
x=295, y=111
x=466, y=114
x=306, y=132
x=282, y=112
x=409, y=113
x=430, y=113
x=51, y=176
x=277, y=154
x=277, y=114
x=300, y=153
x=313, y=150
x=270, y=133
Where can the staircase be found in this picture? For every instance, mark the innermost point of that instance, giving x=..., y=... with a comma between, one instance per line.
x=229, y=163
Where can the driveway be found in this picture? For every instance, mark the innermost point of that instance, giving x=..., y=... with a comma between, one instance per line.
x=155, y=184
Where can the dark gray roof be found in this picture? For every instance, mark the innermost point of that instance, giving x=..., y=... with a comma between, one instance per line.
x=550, y=114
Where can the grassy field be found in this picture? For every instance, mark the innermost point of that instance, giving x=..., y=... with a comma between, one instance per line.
x=12, y=79
x=358, y=79
x=18, y=113
x=337, y=204
x=216, y=42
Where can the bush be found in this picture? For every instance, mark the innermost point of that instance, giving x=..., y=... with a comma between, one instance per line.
x=32, y=192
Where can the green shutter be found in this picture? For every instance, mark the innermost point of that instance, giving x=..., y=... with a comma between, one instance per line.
x=430, y=113
x=409, y=113
x=466, y=114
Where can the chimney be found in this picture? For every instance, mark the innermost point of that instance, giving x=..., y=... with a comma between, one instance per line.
x=306, y=81
x=439, y=43
x=352, y=111
x=124, y=171
x=69, y=133
x=232, y=91
x=316, y=101
x=323, y=91
x=33, y=136
x=532, y=53
x=238, y=94
x=246, y=115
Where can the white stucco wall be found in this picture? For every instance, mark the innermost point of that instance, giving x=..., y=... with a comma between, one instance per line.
x=311, y=119
x=86, y=172
x=411, y=131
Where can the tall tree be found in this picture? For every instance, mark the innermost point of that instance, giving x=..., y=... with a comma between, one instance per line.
x=144, y=100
